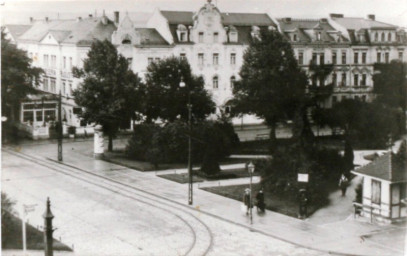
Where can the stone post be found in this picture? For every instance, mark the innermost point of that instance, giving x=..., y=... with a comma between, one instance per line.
x=98, y=148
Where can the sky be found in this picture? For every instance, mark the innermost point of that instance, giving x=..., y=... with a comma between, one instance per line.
x=389, y=11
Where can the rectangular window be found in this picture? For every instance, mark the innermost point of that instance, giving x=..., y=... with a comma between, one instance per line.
x=364, y=98
x=356, y=80
x=343, y=57
x=64, y=64
x=386, y=57
x=314, y=58
x=46, y=61
x=334, y=79
x=233, y=37
x=401, y=56
x=334, y=100
x=28, y=116
x=334, y=58
x=356, y=58
x=53, y=86
x=150, y=60
x=376, y=192
x=53, y=61
x=322, y=59
x=215, y=37
x=301, y=58
x=343, y=82
x=38, y=116
x=215, y=59
x=183, y=56
x=70, y=88
x=201, y=37
x=63, y=88
x=157, y=59
x=129, y=62
x=363, y=82
x=200, y=59
x=379, y=57
x=364, y=57
x=70, y=62
x=45, y=84
x=233, y=58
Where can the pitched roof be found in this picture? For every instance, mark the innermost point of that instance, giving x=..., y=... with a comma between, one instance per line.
x=359, y=23
x=388, y=167
x=237, y=19
x=17, y=30
x=150, y=36
x=79, y=32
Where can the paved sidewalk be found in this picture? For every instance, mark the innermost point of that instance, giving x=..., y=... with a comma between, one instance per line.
x=329, y=239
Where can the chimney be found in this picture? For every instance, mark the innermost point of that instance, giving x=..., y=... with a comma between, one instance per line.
x=90, y=16
x=336, y=15
x=46, y=19
x=116, y=17
x=323, y=20
x=79, y=19
x=371, y=17
x=31, y=20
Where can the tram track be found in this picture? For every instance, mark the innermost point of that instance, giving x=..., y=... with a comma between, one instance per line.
x=202, y=237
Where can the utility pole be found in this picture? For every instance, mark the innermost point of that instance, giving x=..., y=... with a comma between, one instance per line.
x=60, y=128
x=48, y=216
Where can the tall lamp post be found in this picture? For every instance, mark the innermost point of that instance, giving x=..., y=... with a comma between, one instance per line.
x=251, y=168
x=189, y=106
x=60, y=128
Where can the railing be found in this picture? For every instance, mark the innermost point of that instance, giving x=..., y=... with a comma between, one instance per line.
x=362, y=88
x=359, y=208
x=66, y=74
x=50, y=72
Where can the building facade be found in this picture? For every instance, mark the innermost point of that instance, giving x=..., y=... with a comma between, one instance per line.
x=214, y=42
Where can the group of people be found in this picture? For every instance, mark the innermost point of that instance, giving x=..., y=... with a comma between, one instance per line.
x=259, y=201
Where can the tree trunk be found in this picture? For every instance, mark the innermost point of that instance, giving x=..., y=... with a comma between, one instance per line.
x=273, y=138
x=110, y=146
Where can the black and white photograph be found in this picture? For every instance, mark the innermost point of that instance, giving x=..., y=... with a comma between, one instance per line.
x=203, y=127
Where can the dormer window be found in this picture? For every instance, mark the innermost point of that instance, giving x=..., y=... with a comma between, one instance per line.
x=232, y=34
x=255, y=32
x=319, y=36
x=126, y=39
x=182, y=33
x=295, y=38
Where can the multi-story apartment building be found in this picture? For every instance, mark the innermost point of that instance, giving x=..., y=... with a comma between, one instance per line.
x=214, y=43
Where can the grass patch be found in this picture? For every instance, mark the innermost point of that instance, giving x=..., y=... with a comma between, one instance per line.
x=11, y=236
x=181, y=177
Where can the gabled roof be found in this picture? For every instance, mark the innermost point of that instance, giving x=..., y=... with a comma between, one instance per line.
x=17, y=30
x=388, y=167
x=80, y=32
x=359, y=23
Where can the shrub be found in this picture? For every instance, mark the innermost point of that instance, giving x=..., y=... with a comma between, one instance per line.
x=72, y=130
x=140, y=141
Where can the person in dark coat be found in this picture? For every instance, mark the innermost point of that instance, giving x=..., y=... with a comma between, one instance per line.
x=343, y=184
x=260, y=201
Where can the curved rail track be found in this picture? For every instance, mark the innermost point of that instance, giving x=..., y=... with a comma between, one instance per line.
x=202, y=237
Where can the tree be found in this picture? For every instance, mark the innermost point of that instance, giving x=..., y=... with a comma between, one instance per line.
x=272, y=85
x=165, y=99
x=18, y=77
x=110, y=92
x=390, y=86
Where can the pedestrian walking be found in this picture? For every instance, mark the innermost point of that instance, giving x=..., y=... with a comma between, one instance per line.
x=246, y=200
x=260, y=201
x=343, y=184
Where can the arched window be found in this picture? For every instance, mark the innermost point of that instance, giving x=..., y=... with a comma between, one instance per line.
x=215, y=82
x=382, y=37
x=389, y=37
x=295, y=38
x=232, y=81
x=182, y=32
x=376, y=37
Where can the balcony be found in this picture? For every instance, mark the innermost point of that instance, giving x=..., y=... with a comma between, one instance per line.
x=66, y=75
x=50, y=72
x=361, y=88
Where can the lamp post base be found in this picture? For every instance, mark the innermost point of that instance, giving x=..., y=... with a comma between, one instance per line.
x=98, y=156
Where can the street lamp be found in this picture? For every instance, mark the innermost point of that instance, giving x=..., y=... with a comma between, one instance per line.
x=60, y=128
x=303, y=200
x=189, y=106
x=251, y=168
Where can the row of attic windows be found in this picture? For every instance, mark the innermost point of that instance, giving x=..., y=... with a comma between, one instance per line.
x=183, y=34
